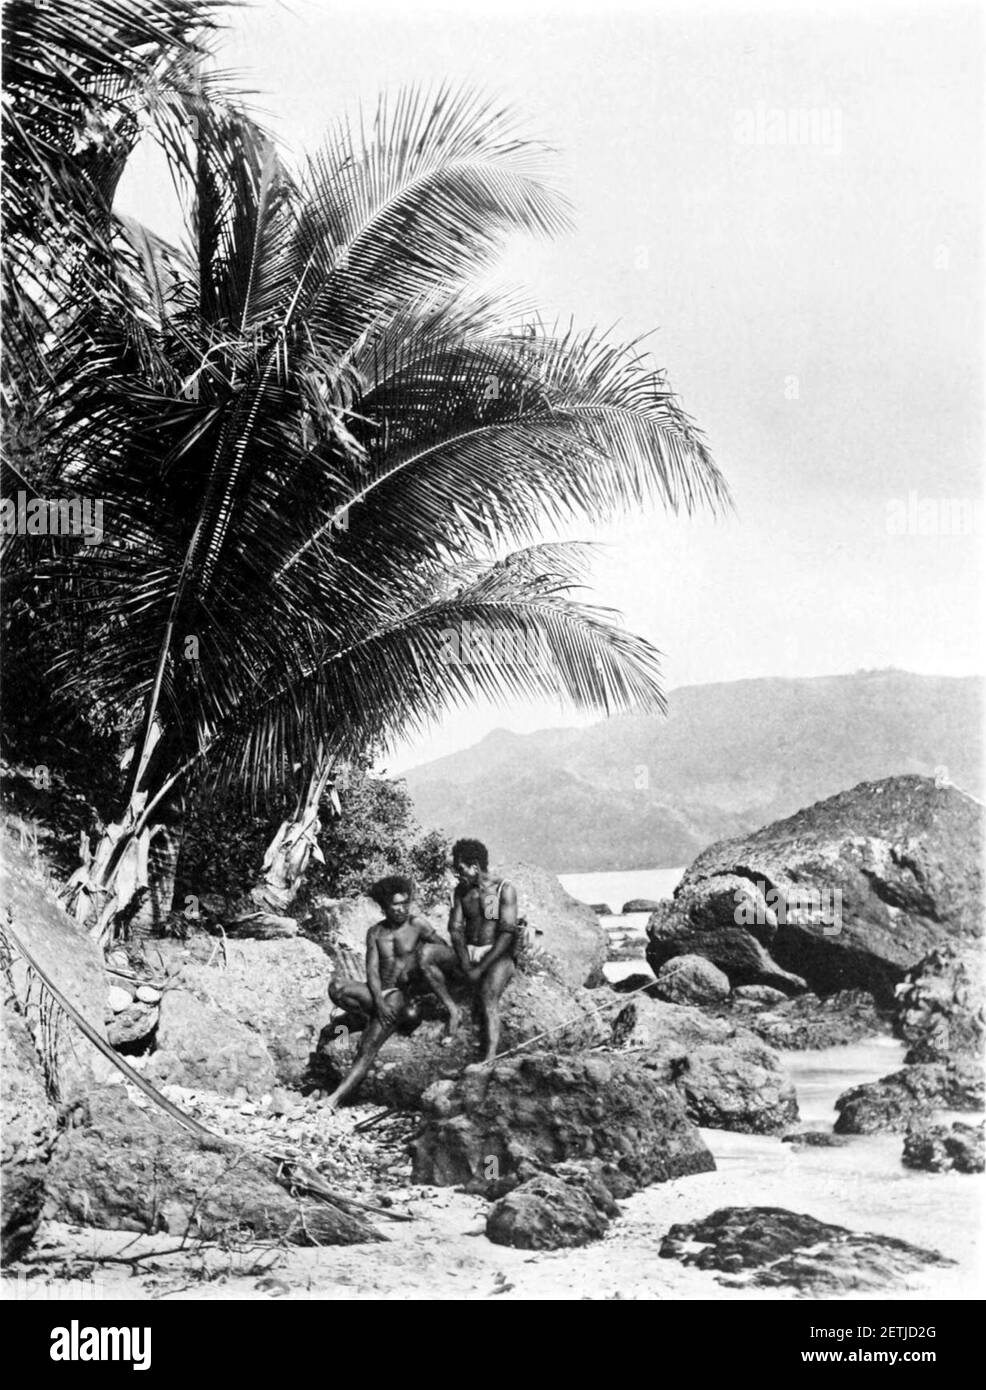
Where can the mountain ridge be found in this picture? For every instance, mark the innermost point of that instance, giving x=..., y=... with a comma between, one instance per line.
x=640, y=791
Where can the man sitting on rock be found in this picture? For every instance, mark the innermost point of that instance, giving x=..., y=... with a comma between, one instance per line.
x=383, y=1004
x=484, y=929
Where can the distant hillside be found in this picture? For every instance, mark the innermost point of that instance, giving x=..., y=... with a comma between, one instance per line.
x=641, y=792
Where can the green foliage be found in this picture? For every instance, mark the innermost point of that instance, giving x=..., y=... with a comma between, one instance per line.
x=377, y=834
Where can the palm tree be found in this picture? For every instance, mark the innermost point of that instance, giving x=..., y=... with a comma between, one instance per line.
x=311, y=452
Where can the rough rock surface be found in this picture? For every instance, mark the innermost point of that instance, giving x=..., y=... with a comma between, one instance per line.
x=67, y=955
x=940, y=1006
x=769, y=1247
x=905, y=854
x=810, y=1022
x=548, y=1213
x=726, y=1075
x=642, y=905
x=888, y=1106
x=691, y=980
x=569, y=931
x=29, y=1133
x=133, y=1028
x=278, y=989
x=406, y=1067
x=203, y=1047
x=760, y=995
x=942, y=1149
x=497, y=1126
x=136, y=1170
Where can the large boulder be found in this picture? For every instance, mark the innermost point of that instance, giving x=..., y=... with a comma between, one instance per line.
x=810, y=1022
x=567, y=930
x=278, y=989
x=73, y=963
x=957, y=1148
x=940, y=1009
x=551, y=1213
x=206, y=1049
x=691, y=980
x=892, y=1104
x=534, y=1007
x=727, y=1077
x=495, y=1127
x=135, y=1170
x=29, y=1133
x=770, y=1248
x=849, y=893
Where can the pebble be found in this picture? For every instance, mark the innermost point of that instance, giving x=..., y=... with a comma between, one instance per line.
x=118, y=999
x=147, y=994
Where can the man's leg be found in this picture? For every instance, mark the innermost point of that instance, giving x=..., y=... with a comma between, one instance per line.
x=353, y=996
x=436, y=962
x=375, y=1034
x=491, y=988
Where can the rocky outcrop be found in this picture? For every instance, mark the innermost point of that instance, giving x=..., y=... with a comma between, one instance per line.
x=205, y=1048
x=495, y=1127
x=532, y=1007
x=940, y=1006
x=726, y=1076
x=957, y=1148
x=810, y=1022
x=691, y=980
x=28, y=1135
x=569, y=931
x=276, y=989
x=74, y=964
x=549, y=1212
x=768, y=1247
x=642, y=905
x=892, y=1104
x=849, y=893
x=135, y=1170
x=700, y=923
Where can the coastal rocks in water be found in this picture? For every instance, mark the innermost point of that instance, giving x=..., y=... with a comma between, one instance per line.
x=691, y=980
x=497, y=1126
x=809, y=1022
x=135, y=1170
x=889, y=1106
x=815, y=1139
x=642, y=905
x=602, y=909
x=703, y=924
x=204, y=1048
x=531, y=1007
x=849, y=893
x=277, y=989
x=942, y=1149
x=29, y=1133
x=132, y=1030
x=940, y=1006
x=726, y=1075
x=768, y=1247
x=549, y=1213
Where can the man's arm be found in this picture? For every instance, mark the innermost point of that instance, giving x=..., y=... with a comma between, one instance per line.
x=506, y=931
x=381, y=1008
x=457, y=933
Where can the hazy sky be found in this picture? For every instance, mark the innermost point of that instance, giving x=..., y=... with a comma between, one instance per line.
x=816, y=281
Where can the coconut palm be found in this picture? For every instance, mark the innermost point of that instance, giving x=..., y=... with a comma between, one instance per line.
x=312, y=453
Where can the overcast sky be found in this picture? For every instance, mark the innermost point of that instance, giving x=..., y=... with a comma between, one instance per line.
x=816, y=284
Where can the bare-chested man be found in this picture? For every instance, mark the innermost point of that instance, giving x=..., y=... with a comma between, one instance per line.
x=383, y=1004
x=484, y=930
